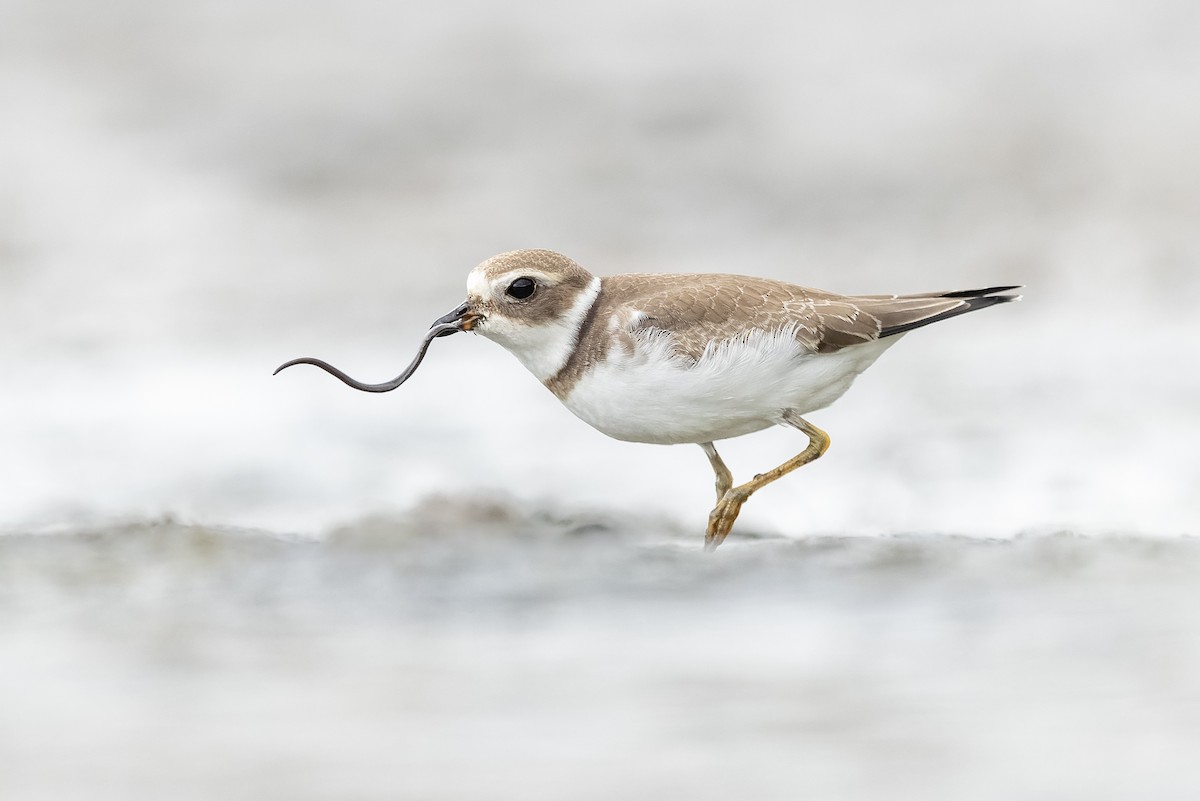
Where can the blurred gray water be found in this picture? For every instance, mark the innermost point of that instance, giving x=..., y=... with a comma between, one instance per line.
x=219, y=583
x=470, y=650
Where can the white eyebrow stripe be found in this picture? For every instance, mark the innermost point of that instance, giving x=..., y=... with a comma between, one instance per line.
x=479, y=283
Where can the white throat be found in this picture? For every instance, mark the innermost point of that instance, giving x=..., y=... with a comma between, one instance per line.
x=543, y=349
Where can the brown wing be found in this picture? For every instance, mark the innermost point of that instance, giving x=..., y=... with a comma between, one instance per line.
x=721, y=307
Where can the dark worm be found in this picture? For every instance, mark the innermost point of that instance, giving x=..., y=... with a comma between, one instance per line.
x=452, y=323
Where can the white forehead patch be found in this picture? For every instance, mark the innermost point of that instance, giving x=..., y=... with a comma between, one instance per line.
x=477, y=284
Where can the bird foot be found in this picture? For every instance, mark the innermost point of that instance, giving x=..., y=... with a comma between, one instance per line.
x=722, y=518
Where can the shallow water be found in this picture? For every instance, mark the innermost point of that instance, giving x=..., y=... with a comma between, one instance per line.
x=471, y=649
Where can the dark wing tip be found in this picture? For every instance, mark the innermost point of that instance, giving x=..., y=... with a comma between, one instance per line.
x=970, y=300
x=979, y=293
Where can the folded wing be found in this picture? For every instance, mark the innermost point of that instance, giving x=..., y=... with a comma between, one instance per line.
x=722, y=307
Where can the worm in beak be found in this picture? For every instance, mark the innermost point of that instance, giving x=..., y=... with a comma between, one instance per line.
x=461, y=319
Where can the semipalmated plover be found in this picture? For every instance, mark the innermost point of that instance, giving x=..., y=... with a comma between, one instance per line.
x=670, y=359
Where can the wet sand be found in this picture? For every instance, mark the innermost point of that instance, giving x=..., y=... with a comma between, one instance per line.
x=471, y=650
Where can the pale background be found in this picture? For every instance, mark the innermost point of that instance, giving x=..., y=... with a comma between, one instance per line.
x=191, y=194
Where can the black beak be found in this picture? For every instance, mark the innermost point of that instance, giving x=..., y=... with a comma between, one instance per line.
x=461, y=319
x=455, y=318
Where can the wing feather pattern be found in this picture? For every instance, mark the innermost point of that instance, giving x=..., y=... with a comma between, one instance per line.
x=696, y=313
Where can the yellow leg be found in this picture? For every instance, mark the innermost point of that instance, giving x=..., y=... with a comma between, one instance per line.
x=724, y=477
x=729, y=504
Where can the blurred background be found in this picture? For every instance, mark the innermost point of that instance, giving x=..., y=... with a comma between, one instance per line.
x=219, y=582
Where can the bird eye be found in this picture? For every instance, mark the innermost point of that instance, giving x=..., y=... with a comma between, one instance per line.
x=521, y=288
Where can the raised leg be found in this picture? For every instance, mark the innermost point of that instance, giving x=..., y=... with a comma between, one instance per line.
x=724, y=477
x=721, y=519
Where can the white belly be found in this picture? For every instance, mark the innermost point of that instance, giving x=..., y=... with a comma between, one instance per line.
x=735, y=388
